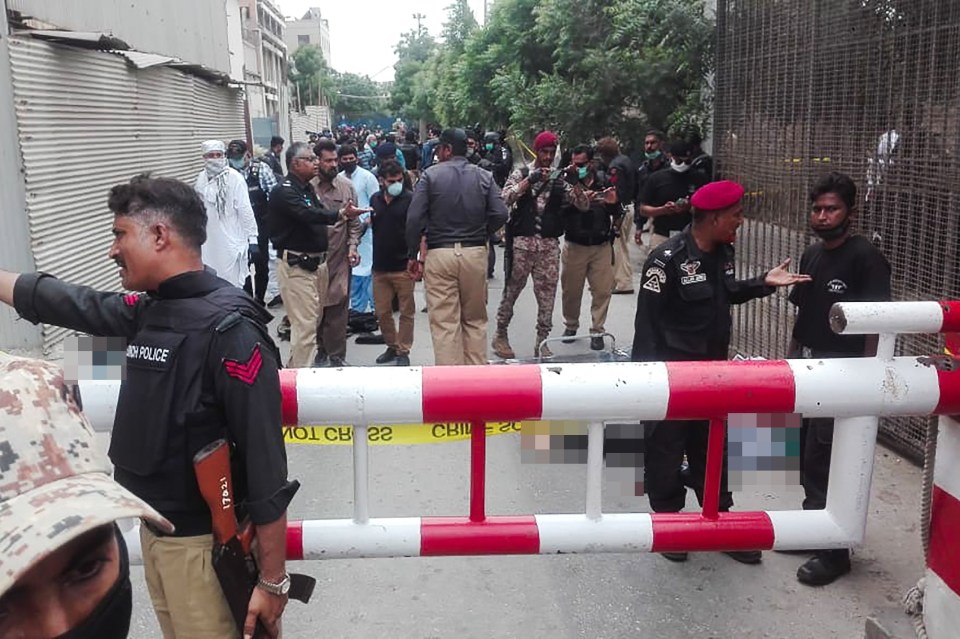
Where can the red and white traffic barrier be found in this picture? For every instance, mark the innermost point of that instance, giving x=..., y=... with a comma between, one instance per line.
x=941, y=603
x=856, y=391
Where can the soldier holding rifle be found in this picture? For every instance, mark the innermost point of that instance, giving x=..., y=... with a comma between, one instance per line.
x=200, y=367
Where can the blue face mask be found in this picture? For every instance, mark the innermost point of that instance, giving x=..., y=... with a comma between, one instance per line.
x=395, y=189
x=654, y=155
x=582, y=172
x=236, y=163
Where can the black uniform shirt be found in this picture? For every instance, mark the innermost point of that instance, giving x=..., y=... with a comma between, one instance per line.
x=683, y=308
x=389, y=223
x=236, y=388
x=855, y=271
x=669, y=186
x=297, y=221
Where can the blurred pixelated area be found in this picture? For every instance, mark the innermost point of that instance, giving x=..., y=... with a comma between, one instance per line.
x=763, y=450
x=94, y=358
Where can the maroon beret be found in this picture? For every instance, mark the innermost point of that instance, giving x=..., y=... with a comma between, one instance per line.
x=545, y=139
x=717, y=196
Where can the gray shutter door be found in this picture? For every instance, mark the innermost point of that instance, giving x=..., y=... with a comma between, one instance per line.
x=88, y=120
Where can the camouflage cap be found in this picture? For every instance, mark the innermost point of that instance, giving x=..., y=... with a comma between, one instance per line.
x=55, y=483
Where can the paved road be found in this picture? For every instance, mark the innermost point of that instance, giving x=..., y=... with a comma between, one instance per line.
x=567, y=597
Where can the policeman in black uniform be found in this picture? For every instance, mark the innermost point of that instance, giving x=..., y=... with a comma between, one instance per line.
x=845, y=267
x=260, y=182
x=200, y=366
x=298, y=229
x=683, y=314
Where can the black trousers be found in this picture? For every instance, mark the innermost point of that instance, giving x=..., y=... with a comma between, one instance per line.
x=816, y=446
x=665, y=443
x=491, y=254
x=261, y=271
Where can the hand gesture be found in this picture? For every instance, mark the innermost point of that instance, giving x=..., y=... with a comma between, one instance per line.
x=670, y=208
x=415, y=270
x=610, y=195
x=351, y=210
x=781, y=276
x=267, y=608
x=353, y=257
x=638, y=238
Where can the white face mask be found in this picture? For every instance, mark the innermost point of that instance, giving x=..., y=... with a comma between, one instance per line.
x=679, y=167
x=215, y=166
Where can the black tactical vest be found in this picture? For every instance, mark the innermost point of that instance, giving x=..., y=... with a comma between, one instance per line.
x=526, y=221
x=258, y=199
x=166, y=411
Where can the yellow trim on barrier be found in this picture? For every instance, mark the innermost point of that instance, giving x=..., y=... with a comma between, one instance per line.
x=394, y=434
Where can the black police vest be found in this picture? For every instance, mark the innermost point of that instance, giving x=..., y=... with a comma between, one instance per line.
x=524, y=218
x=588, y=229
x=258, y=199
x=166, y=411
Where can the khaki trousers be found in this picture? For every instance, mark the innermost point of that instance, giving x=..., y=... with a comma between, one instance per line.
x=186, y=595
x=332, y=329
x=455, y=281
x=304, y=294
x=622, y=266
x=385, y=286
x=591, y=264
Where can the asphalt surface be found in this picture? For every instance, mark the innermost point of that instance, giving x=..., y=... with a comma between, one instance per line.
x=569, y=596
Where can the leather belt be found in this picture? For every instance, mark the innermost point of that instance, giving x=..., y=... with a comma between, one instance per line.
x=450, y=245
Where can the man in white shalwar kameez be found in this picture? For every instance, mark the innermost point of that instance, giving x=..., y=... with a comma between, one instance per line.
x=231, y=227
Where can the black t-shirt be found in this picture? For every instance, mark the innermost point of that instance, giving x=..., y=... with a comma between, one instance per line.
x=669, y=186
x=389, y=224
x=855, y=271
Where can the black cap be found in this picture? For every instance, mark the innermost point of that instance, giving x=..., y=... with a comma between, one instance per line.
x=456, y=138
x=236, y=148
x=491, y=136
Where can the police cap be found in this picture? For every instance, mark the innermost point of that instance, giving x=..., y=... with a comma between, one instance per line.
x=717, y=196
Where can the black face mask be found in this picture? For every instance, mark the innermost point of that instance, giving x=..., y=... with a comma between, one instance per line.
x=835, y=233
x=348, y=167
x=111, y=618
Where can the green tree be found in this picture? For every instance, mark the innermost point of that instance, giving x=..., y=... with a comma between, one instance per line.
x=312, y=77
x=412, y=84
x=358, y=97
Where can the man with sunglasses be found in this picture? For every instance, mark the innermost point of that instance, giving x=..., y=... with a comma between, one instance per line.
x=298, y=226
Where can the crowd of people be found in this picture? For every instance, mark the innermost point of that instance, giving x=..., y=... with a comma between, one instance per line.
x=354, y=221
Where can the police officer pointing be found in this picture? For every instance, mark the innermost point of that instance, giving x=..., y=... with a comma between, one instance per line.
x=683, y=313
x=200, y=366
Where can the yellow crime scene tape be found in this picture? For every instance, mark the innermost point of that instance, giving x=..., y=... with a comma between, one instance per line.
x=395, y=434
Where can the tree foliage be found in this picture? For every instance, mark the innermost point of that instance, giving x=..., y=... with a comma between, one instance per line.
x=583, y=67
x=312, y=77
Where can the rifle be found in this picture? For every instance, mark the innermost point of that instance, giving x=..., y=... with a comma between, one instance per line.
x=233, y=560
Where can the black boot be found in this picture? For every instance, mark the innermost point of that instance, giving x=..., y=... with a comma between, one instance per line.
x=387, y=356
x=745, y=556
x=824, y=568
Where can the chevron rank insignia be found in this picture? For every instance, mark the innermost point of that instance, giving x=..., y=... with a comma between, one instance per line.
x=246, y=371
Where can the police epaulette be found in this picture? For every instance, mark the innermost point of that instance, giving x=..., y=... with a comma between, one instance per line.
x=229, y=322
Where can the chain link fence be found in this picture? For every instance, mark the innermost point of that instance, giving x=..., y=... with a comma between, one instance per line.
x=867, y=87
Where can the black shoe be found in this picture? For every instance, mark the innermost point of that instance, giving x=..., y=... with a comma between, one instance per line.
x=569, y=333
x=745, y=556
x=807, y=552
x=321, y=361
x=338, y=362
x=676, y=556
x=623, y=291
x=275, y=302
x=283, y=330
x=403, y=360
x=824, y=568
x=387, y=356
x=596, y=343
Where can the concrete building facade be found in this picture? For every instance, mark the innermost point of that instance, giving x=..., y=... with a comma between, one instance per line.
x=311, y=30
x=265, y=70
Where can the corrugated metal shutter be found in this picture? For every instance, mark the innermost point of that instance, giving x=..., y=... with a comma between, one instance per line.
x=87, y=121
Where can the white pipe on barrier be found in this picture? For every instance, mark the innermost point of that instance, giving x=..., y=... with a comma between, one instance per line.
x=594, y=470
x=851, y=468
x=868, y=318
x=361, y=475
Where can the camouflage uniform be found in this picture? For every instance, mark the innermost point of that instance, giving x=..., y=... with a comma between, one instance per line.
x=539, y=257
x=535, y=254
x=55, y=484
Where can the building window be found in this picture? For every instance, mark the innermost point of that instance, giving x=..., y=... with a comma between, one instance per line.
x=303, y=39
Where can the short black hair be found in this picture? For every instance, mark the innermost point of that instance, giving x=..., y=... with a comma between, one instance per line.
x=390, y=167
x=325, y=144
x=582, y=148
x=275, y=140
x=655, y=133
x=837, y=183
x=456, y=139
x=175, y=201
x=411, y=136
x=681, y=147
x=346, y=149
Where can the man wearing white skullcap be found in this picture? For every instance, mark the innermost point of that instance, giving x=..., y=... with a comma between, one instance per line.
x=231, y=226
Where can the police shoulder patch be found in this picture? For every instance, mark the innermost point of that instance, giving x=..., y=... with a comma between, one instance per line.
x=655, y=276
x=246, y=371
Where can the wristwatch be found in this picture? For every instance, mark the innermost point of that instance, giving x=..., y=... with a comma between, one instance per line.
x=281, y=588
